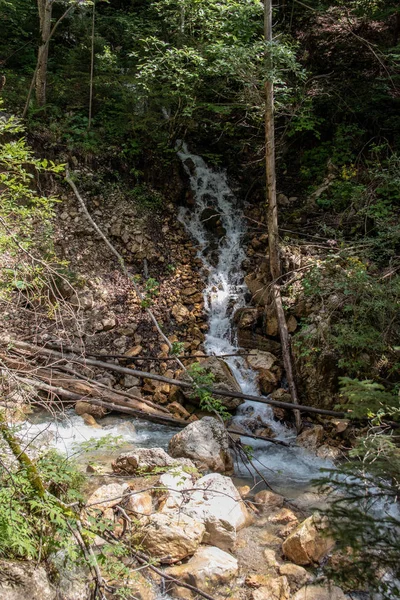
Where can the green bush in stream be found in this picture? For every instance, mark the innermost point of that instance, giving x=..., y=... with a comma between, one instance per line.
x=203, y=380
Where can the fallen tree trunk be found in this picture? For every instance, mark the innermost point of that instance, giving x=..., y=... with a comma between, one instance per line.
x=162, y=419
x=86, y=388
x=35, y=350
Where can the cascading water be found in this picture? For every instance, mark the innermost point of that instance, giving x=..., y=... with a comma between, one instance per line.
x=225, y=291
x=222, y=256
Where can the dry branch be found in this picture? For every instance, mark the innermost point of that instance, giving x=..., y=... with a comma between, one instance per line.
x=37, y=351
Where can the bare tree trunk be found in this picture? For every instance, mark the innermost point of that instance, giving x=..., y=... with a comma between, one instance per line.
x=91, y=67
x=272, y=214
x=45, y=8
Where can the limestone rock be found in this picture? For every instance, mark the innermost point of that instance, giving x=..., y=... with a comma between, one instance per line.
x=23, y=580
x=91, y=421
x=82, y=407
x=309, y=543
x=276, y=588
x=268, y=381
x=260, y=361
x=311, y=437
x=171, y=537
x=206, y=443
x=208, y=569
x=180, y=313
x=257, y=288
x=144, y=460
x=175, y=481
x=130, y=381
x=319, y=592
x=223, y=379
x=283, y=517
x=139, y=587
x=107, y=496
x=297, y=576
x=267, y=501
x=217, y=503
x=245, y=318
x=138, y=505
x=329, y=452
x=73, y=580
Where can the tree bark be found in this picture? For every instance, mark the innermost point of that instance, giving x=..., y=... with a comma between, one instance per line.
x=45, y=8
x=272, y=210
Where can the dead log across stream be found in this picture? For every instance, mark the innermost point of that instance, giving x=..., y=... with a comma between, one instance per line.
x=36, y=350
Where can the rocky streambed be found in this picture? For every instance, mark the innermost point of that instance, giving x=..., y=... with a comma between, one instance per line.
x=183, y=510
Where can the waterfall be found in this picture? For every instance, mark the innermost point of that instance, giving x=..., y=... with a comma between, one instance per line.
x=222, y=256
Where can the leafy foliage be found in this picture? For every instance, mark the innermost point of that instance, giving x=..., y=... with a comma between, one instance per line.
x=203, y=380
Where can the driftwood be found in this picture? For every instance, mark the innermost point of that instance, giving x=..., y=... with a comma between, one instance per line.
x=35, y=350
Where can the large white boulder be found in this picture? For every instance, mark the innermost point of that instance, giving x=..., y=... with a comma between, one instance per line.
x=208, y=569
x=172, y=537
x=176, y=484
x=206, y=442
x=217, y=503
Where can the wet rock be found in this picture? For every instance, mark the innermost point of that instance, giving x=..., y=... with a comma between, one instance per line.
x=171, y=537
x=268, y=382
x=308, y=544
x=245, y=318
x=91, y=421
x=211, y=220
x=319, y=592
x=82, y=407
x=311, y=437
x=207, y=570
x=206, y=442
x=329, y=452
x=267, y=501
x=217, y=503
x=23, y=580
x=261, y=361
x=145, y=460
x=297, y=576
x=277, y=588
x=107, y=496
